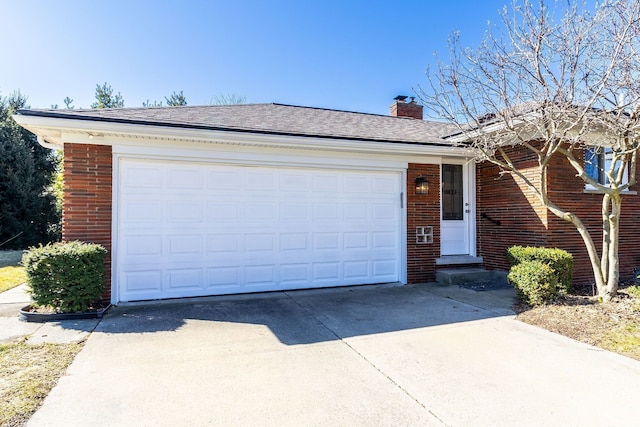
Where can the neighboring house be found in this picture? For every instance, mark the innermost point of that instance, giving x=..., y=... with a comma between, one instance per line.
x=211, y=200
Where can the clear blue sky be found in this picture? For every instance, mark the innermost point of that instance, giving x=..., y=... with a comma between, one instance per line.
x=341, y=54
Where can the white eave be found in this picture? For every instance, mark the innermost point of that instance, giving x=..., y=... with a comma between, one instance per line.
x=53, y=132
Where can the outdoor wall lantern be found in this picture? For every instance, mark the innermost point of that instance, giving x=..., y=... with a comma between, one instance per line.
x=422, y=185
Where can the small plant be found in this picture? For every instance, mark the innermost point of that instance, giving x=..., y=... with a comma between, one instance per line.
x=67, y=277
x=535, y=282
x=559, y=260
x=634, y=290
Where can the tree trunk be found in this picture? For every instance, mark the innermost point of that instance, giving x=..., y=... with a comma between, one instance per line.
x=613, y=270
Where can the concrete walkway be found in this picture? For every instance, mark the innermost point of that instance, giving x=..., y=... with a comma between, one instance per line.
x=13, y=329
x=363, y=356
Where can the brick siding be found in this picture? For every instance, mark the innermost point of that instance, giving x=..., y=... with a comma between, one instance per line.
x=524, y=221
x=86, y=213
x=406, y=109
x=422, y=210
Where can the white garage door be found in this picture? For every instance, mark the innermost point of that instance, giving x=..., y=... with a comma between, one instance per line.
x=192, y=229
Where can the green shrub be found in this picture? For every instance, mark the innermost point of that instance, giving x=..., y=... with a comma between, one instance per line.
x=535, y=282
x=68, y=276
x=559, y=260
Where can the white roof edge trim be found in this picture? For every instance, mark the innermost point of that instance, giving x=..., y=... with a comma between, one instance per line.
x=48, y=129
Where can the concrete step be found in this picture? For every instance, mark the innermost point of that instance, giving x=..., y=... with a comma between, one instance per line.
x=458, y=260
x=458, y=276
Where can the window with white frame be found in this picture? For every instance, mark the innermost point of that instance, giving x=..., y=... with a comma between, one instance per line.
x=598, y=161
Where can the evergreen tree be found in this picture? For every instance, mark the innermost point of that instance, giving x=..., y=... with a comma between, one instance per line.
x=105, y=98
x=28, y=213
x=176, y=99
x=68, y=103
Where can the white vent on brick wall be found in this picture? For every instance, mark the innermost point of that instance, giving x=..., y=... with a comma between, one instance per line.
x=424, y=235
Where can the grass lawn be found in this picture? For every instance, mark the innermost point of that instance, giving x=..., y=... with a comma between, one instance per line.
x=27, y=374
x=11, y=273
x=10, y=277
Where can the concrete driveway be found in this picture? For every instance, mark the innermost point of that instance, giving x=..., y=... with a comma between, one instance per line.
x=363, y=356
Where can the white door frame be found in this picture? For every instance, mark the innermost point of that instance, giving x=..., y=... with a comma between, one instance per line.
x=469, y=207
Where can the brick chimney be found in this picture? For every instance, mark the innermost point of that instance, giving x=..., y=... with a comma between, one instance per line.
x=402, y=108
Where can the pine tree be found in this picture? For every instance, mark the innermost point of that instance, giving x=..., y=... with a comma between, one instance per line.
x=68, y=103
x=105, y=98
x=176, y=99
x=28, y=213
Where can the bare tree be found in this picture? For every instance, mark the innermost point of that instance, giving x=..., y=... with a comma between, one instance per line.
x=151, y=104
x=229, y=99
x=556, y=81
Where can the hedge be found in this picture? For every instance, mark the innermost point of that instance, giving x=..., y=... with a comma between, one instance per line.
x=559, y=260
x=535, y=282
x=67, y=277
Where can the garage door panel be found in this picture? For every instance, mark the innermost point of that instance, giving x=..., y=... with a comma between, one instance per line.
x=145, y=176
x=294, y=242
x=223, y=211
x=325, y=211
x=142, y=245
x=260, y=212
x=294, y=274
x=263, y=242
x=385, y=240
x=221, y=243
x=384, y=268
x=325, y=183
x=184, y=278
x=223, y=277
x=384, y=185
x=207, y=229
x=257, y=275
x=185, y=178
x=294, y=211
x=357, y=184
x=184, y=211
x=356, y=240
x=355, y=212
x=143, y=282
x=190, y=244
x=295, y=182
x=325, y=241
x=143, y=212
x=357, y=270
x=227, y=179
x=325, y=272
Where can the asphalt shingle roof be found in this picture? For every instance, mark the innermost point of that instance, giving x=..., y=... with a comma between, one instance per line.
x=277, y=119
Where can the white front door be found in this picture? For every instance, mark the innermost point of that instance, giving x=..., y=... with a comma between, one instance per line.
x=456, y=210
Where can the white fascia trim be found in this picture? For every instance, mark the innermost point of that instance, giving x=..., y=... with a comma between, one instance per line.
x=57, y=131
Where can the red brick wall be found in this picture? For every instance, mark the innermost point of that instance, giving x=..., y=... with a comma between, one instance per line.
x=86, y=212
x=422, y=210
x=406, y=109
x=523, y=219
x=567, y=191
x=525, y=222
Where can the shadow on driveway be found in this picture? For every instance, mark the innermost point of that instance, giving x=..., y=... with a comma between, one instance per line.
x=304, y=317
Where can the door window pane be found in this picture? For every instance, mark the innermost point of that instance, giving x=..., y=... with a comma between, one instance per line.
x=452, y=192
